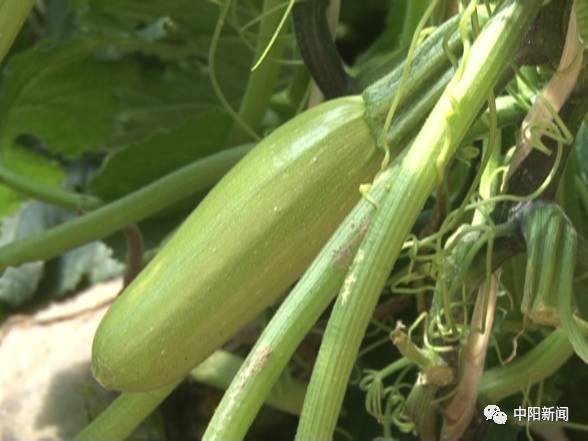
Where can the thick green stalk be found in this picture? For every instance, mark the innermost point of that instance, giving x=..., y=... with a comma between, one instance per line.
x=261, y=82
x=13, y=14
x=123, y=416
x=418, y=175
x=41, y=191
x=130, y=209
x=536, y=365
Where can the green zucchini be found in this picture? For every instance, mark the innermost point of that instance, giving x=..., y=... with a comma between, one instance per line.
x=243, y=246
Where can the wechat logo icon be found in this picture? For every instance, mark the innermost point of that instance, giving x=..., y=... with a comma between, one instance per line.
x=493, y=412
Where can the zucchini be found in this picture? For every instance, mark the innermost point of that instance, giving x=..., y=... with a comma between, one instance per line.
x=242, y=247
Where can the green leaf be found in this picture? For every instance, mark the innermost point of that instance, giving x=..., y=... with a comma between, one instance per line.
x=142, y=163
x=188, y=22
x=387, y=41
x=191, y=18
x=174, y=31
x=94, y=92
x=57, y=17
x=78, y=101
x=63, y=94
x=162, y=99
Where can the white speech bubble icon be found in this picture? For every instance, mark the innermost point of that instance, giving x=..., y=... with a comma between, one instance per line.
x=490, y=410
x=499, y=417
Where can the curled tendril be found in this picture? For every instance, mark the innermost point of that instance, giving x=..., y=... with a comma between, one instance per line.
x=432, y=258
x=416, y=39
x=275, y=35
x=373, y=384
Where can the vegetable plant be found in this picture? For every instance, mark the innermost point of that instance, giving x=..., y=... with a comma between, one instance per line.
x=372, y=222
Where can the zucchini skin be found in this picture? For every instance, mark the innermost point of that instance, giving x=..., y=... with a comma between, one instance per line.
x=251, y=237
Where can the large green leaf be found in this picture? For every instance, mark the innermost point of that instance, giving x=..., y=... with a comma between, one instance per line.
x=164, y=98
x=191, y=18
x=63, y=94
x=188, y=22
x=96, y=91
x=176, y=30
x=142, y=163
